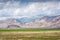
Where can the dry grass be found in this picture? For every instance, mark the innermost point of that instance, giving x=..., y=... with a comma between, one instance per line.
x=52, y=35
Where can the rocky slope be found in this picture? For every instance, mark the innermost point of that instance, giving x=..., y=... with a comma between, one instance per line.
x=9, y=23
x=43, y=22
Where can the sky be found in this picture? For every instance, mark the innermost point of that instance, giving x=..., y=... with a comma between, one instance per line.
x=28, y=8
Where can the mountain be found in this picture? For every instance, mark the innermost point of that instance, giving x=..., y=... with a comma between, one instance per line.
x=41, y=22
x=25, y=19
x=45, y=22
x=9, y=23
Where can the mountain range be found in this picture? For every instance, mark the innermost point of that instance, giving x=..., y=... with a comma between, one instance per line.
x=41, y=22
x=46, y=22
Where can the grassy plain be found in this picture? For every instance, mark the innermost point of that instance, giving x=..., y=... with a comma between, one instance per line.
x=28, y=30
x=30, y=34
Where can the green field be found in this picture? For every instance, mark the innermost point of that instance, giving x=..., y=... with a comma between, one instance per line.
x=30, y=34
x=28, y=30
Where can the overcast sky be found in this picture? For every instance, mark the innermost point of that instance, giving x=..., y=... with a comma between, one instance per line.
x=28, y=8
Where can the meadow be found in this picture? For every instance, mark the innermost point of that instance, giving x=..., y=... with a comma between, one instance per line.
x=30, y=34
x=28, y=30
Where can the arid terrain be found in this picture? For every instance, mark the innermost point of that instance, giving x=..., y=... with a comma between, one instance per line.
x=47, y=35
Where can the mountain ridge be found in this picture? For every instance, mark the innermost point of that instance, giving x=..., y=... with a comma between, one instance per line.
x=43, y=22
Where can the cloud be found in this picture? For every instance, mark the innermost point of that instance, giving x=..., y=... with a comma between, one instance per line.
x=15, y=9
x=46, y=8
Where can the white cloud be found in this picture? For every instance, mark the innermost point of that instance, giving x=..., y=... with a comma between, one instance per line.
x=47, y=8
x=14, y=9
